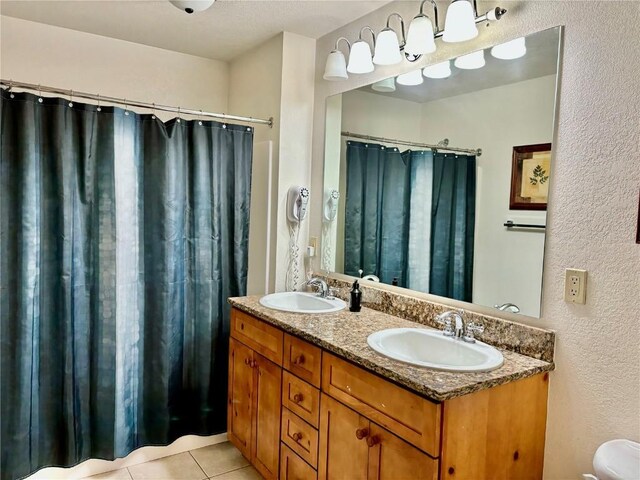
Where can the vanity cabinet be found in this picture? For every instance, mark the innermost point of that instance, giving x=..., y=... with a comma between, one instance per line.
x=298, y=412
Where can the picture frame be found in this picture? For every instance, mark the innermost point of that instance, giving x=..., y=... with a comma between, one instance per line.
x=530, y=175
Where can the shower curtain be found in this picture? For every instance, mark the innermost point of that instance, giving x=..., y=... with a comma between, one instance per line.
x=121, y=238
x=376, y=212
x=411, y=216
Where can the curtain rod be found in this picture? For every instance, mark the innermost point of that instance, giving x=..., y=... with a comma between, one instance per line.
x=476, y=152
x=9, y=84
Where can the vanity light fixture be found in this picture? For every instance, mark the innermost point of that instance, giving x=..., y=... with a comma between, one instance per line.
x=336, y=67
x=470, y=61
x=190, y=6
x=462, y=17
x=360, y=56
x=411, y=78
x=421, y=35
x=439, y=70
x=387, y=85
x=387, y=51
x=510, y=50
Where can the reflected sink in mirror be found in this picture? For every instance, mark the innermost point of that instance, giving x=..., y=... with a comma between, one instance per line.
x=430, y=348
x=301, y=302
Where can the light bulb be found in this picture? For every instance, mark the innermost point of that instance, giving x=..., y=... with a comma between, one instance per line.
x=387, y=48
x=386, y=85
x=420, y=39
x=460, y=22
x=410, y=78
x=470, y=61
x=510, y=50
x=360, y=58
x=439, y=70
x=336, y=67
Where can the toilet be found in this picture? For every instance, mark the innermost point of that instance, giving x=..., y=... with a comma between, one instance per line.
x=616, y=460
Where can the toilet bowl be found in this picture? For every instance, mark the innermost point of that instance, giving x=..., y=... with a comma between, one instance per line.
x=617, y=460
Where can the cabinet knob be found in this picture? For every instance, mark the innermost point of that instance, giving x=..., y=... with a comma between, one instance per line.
x=254, y=363
x=297, y=436
x=297, y=398
x=247, y=361
x=299, y=360
x=362, y=433
x=372, y=441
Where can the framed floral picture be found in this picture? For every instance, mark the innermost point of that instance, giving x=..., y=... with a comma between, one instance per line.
x=530, y=174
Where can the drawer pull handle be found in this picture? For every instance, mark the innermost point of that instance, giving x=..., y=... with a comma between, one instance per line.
x=299, y=360
x=297, y=436
x=362, y=433
x=242, y=326
x=372, y=441
x=247, y=361
x=297, y=398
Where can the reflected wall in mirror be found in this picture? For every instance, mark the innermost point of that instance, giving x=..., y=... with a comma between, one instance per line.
x=424, y=177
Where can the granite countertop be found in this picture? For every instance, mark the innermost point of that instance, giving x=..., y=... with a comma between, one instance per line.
x=345, y=334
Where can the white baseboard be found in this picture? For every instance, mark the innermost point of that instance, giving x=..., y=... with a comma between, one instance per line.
x=141, y=455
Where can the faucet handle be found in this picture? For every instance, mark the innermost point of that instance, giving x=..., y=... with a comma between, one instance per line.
x=445, y=321
x=471, y=330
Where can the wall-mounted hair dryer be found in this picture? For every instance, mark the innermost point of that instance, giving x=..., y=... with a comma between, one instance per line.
x=297, y=204
x=330, y=207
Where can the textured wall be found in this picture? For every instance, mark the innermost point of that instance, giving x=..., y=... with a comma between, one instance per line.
x=595, y=391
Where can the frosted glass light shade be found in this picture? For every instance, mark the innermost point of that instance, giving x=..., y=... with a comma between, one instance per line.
x=387, y=48
x=510, y=50
x=336, y=67
x=410, y=78
x=460, y=22
x=439, y=70
x=386, y=85
x=471, y=61
x=420, y=38
x=360, y=58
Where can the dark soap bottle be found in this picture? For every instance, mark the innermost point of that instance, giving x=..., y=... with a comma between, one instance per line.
x=356, y=297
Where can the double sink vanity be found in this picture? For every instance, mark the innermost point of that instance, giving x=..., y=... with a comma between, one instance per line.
x=343, y=395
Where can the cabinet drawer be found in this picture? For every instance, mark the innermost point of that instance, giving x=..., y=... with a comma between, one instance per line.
x=303, y=359
x=258, y=335
x=411, y=417
x=292, y=467
x=301, y=398
x=301, y=437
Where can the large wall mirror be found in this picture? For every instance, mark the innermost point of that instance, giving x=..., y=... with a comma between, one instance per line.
x=442, y=176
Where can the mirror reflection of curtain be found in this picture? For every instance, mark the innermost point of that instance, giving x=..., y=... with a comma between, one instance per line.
x=376, y=212
x=452, y=225
x=121, y=239
x=411, y=216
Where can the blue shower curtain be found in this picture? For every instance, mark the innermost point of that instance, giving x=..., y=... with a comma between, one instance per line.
x=376, y=212
x=121, y=238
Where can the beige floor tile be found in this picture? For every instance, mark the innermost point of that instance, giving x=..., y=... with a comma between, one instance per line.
x=219, y=459
x=246, y=473
x=121, y=474
x=175, y=467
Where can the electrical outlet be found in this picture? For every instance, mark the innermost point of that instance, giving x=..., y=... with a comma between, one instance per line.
x=575, y=286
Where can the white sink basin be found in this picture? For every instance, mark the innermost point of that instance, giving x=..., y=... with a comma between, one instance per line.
x=430, y=348
x=300, y=302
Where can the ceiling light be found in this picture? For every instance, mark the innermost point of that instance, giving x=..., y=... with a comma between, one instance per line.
x=387, y=85
x=460, y=22
x=420, y=37
x=510, y=50
x=470, y=61
x=191, y=6
x=387, y=51
x=439, y=70
x=410, y=78
x=336, y=67
x=360, y=56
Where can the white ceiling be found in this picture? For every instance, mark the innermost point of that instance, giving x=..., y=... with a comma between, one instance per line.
x=541, y=60
x=227, y=29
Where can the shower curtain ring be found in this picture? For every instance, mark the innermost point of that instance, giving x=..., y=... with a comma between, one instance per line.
x=126, y=107
x=179, y=108
x=201, y=115
x=11, y=95
x=40, y=94
x=99, y=109
x=71, y=98
x=153, y=111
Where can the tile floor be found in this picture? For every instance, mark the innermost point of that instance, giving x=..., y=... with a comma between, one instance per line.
x=220, y=462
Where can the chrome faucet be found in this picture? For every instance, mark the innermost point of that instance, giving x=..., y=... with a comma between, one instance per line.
x=461, y=329
x=511, y=307
x=321, y=285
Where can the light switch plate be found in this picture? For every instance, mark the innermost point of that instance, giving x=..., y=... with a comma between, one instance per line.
x=575, y=286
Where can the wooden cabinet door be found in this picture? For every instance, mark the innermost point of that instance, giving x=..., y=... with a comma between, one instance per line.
x=292, y=467
x=391, y=458
x=240, y=396
x=266, y=417
x=343, y=455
